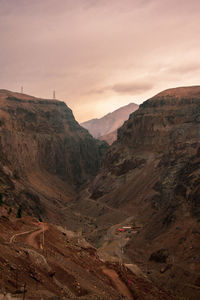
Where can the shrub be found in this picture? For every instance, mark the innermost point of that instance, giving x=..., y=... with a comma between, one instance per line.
x=1, y=198
x=19, y=212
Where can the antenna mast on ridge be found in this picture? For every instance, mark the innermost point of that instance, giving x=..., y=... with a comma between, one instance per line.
x=22, y=89
x=54, y=94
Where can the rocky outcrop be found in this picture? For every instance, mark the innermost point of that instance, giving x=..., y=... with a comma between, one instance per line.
x=44, y=152
x=105, y=127
x=152, y=173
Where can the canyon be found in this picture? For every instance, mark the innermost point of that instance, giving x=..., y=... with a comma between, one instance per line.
x=147, y=179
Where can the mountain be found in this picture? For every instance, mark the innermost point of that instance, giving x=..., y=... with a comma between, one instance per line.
x=110, y=122
x=109, y=138
x=45, y=155
x=150, y=180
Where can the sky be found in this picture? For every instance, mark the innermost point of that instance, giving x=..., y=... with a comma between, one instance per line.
x=98, y=55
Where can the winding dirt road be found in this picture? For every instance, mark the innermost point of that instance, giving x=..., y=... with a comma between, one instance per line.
x=32, y=235
x=18, y=234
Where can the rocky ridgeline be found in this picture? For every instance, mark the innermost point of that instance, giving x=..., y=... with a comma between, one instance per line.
x=170, y=119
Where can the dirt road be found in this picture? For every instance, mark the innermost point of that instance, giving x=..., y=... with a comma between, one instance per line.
x=121, y=287
x=32, y=235
x=18, y=234
x=31, y=239
x=113, y=245
x=112, y=248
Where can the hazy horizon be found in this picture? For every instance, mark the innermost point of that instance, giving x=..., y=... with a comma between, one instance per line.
x=98, y=55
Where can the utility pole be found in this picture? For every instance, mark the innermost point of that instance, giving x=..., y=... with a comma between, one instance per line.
x=54, y=94
x=22, y=89
x=24, y=292
x=16, y=277
x=43, y=236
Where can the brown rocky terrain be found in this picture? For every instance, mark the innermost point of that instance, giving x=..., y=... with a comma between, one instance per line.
x=45, y=155
x=152, y=174
x=106, y=127
x=42, y=261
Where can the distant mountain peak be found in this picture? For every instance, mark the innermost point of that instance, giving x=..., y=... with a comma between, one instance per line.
x=108, y=124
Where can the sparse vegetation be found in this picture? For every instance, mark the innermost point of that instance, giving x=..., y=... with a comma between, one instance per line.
x=19, y=212
x=9, y=211
x=1, y=199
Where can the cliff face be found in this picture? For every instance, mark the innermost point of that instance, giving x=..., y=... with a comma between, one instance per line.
x=164, y=129
x=165, y=120
x=152, y=173
x=43, y=149
x=100, y=128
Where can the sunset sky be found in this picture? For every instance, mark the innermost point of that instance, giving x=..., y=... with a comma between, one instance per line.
x=99, y=54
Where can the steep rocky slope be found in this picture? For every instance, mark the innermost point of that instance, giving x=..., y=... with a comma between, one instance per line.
x=110, y=122
x=44, y=153
x=152, y=173
x=42, y=261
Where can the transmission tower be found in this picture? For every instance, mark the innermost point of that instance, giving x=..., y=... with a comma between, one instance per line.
x=54, y=94
x=22, y=89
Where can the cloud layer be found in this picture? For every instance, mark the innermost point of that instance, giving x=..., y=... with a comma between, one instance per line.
x=98, y=54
